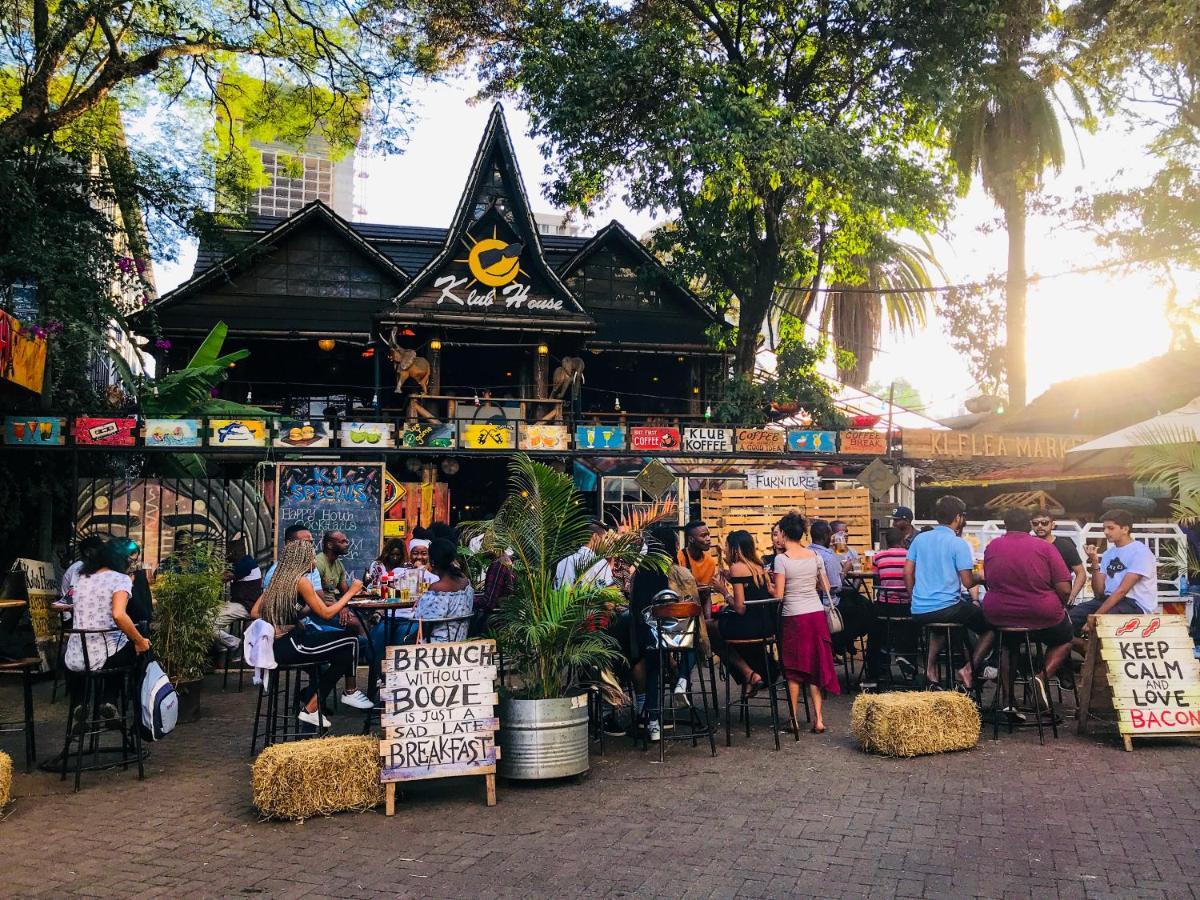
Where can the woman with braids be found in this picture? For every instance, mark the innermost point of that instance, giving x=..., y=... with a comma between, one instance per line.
x=290, y=596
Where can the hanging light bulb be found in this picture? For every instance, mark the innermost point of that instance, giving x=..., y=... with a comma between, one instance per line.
x=249, y=395
x=617, y=404
x=708, y=412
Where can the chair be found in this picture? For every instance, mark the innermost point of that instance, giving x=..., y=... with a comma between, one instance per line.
x=769, y=648
x=25, y=668
x=886, y=604
x=89, y=727
x=1022, y=638
x=277, y=684
x=949, y=629
x=238, y=629
x=699, y=725
x=426, y=627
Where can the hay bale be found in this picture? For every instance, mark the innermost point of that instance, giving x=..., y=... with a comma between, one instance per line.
x=912, y=724
x=5, y=779
x=317, y=777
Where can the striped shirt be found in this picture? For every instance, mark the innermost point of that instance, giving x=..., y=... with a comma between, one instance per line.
x=889, y=564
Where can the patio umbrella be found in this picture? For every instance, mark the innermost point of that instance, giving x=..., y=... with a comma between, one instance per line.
x=1180, y=426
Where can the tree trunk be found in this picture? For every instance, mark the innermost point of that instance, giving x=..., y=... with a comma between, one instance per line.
x=1014, y=313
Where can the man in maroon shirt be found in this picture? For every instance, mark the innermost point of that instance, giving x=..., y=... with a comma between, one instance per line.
x=1027, y=587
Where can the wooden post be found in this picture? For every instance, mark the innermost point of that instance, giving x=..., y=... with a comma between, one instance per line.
x=435, y=367
x=541, y=364
x=491, y=789
x=1086, y=690
x=391, y=798
x=694, y=397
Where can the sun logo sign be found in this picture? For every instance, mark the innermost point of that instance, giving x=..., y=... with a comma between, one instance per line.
x=494, y=262
x=493, y=265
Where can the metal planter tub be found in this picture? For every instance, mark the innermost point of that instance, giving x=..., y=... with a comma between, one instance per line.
x=543, y=738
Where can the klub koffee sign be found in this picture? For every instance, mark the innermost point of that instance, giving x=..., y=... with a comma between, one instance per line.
x=439, y=716
x=1152, y=673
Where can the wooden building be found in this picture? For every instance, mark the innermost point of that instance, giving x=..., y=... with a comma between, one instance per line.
x=486, y=318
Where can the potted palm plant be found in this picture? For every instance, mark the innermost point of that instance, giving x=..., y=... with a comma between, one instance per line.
x=188, y=593
x=546, y=633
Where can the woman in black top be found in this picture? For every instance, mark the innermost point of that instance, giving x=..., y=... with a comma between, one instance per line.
x=737, y=621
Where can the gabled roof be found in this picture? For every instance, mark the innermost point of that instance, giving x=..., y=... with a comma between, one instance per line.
x=495, y=147
x=618, y=235
x=240, y=257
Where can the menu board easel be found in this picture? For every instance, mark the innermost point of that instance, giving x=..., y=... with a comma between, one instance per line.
x=1142, y=668
x=439, y=717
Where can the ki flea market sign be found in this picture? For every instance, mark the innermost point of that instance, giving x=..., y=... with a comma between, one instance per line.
x=439, y=718
x=927, y=443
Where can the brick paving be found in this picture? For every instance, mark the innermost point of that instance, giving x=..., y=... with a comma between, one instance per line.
x=1077, y=818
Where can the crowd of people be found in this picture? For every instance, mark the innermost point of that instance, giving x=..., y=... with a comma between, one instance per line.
x=1030, y=579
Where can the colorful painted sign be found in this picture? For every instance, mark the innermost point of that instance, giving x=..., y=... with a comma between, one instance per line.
x=366, y=435
x=486, y=436
x=927, y=443
x=346, y=498
x=172, y=432
x=599, y=437
x=35, y=431
x=812, y=441
x=301, y=433
x=777, y=479
x=761, y=440
x=107, y=432
x=1152, y=673
x=654, y=439
x=864, y=443
x=22, y=355
x=708, y=440
x=420, y=434
x=237, y=433
x=545, y=437
x=493, y=278
x=439, y=716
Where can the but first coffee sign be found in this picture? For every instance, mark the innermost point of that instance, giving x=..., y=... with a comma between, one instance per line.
x=439, y=717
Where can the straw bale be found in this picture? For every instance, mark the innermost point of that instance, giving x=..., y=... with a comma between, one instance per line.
x=906, y=723
x=317, y=777
x=5, y=779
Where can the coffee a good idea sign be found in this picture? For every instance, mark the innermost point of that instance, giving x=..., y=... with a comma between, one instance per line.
x=1153, y=675
x=439, y=715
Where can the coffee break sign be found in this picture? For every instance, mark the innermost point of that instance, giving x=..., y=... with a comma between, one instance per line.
x=439, y=717
x=1152, y=673
x=926, y=443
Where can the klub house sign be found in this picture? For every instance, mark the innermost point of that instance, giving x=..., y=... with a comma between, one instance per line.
x=926, y=443
x=494, y=265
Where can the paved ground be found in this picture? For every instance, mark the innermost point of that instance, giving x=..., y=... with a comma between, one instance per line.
x=1077, y=818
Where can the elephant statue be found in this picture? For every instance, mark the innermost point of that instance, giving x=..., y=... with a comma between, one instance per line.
x=566, y=375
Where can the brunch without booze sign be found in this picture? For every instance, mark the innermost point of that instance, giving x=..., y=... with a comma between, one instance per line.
x=1152, y=673
x=439, y=718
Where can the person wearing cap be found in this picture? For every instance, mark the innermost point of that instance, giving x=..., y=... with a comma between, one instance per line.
x=902, y=521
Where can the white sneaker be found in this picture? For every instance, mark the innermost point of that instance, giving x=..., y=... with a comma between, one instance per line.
x=654, y=731
x=990, y=673
x=358, y=700
x=679, y=695
x=232, y=641
x=313, y=718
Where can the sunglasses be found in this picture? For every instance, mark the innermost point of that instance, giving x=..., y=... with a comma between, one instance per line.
x=1040, y=522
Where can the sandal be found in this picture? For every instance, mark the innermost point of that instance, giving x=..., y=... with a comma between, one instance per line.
x=756, y=684
x=816, y=730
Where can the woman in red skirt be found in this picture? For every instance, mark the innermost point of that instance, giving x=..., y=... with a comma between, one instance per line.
x=806, y=646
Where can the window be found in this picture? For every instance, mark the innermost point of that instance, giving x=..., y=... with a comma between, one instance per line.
x=622, y=495
x=295, y=181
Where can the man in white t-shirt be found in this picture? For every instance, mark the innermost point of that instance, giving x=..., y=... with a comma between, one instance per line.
x=1124, y=579
x=584, y=562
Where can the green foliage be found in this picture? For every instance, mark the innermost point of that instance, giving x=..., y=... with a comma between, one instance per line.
x=777, y=135
x=973, y=318
x=905, y=395
x=1170, y=457
x=188, y=594
x=544, y=631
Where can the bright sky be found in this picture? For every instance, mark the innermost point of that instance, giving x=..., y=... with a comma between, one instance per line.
x=1078, y=324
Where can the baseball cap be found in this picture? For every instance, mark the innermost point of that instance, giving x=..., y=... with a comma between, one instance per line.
x=902, y=512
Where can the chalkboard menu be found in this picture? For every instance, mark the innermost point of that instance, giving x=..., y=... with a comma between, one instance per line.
x=439, y=717
x=335, y=497
x=1152, y=675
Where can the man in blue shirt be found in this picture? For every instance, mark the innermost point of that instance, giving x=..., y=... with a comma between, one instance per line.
x=937, y=573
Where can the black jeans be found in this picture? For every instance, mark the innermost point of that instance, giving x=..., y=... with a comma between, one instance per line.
x=858, y=617
x=111, y=686
x=335, y=651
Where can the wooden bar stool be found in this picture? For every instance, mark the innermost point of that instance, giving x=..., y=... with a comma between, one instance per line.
x=25, y=668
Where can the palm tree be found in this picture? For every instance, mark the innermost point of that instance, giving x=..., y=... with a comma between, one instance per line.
x=896, y=288
x=1007, y=131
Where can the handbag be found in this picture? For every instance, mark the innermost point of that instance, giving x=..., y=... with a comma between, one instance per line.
x=833, y=618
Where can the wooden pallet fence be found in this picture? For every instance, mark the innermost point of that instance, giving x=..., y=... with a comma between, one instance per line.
x=757, y=511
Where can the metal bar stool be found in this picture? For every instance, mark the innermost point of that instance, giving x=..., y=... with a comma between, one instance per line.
x=683, y=641
x=277, y=683
x=1022, y=639
x=84, y=720
x=25, y=668
x=769, y=648
x=238, y=629
x=945, y=675
x=886, y=604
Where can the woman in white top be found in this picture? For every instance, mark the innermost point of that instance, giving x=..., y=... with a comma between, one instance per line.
x=100, y=597
x=805, y=643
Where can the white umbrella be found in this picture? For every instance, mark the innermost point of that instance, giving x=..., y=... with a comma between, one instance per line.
x=1180, y=426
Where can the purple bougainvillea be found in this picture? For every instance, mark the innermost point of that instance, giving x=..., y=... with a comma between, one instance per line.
x=162, y=344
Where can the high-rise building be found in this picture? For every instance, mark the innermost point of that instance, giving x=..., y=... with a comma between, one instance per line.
x=298, y=178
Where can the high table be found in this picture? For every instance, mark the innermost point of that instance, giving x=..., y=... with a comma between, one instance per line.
x=391, y=610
